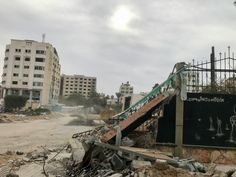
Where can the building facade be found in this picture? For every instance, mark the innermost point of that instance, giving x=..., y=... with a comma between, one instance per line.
x=32, y=69
x=77, y=84
x=126, y=88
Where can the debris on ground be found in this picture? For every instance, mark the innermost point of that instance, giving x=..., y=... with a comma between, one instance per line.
x=85, y=155
x=10, y=117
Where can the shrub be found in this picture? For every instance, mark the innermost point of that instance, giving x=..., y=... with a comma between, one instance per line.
x=14, y=102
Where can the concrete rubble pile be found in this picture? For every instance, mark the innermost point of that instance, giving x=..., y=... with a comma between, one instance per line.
x=42, y=162
x=91, y=157
x=87, y=156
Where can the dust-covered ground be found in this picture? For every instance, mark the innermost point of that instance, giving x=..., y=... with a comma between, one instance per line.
x=32, y=134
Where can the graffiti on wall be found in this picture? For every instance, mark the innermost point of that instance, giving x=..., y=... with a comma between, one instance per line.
x=210, y=120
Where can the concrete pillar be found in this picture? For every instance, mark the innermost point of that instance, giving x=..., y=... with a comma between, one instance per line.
x=30, y=98
x=20, y=92
x=179, y=116
x=4, y=93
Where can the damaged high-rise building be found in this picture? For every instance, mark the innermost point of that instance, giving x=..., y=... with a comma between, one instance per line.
x=32, y=69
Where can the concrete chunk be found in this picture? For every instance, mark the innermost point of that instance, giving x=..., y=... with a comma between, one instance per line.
x=140, y=163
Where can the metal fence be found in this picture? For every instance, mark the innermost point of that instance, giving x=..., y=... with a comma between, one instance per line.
x=214, y=76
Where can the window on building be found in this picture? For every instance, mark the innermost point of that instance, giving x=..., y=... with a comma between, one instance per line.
x=37, y=84
x=6, y=58
x=5, y=66
x=7, y=50
x=27, y=51
x=39, y=68
x=27, y=59
x=15, y=74
x=66, y=84
x=38, y=75
x=17, y=50
x=39, y=59
x=3, y=82
x=4, y=74
x=14, y=82
x=26, y=67
x=28, y=43
x=25, y=83
x=25, y=75
x=17, y=58
x=40, y=52
x=16, y=66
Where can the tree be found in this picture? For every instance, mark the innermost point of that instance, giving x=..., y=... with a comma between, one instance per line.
x=14, y=102
x=73, y=100
x=118, y=95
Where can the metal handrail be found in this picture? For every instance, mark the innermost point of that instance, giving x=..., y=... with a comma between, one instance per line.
x=153, y=93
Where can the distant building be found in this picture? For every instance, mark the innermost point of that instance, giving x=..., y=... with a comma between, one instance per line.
x=31, y=69
x=77, y=84
x=131, y=99
x=126, y=88
x=112, y=101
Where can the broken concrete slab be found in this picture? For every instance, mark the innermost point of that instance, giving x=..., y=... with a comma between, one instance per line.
x=136, y=164
x=117, y=162
x=226, y=168
x=78, y=150
x=116, y=175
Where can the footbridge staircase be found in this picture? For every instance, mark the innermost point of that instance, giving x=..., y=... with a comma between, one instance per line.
x=143, y=113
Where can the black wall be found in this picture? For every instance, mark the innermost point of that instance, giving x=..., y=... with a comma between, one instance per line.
x=166, y=124
x=207, y=120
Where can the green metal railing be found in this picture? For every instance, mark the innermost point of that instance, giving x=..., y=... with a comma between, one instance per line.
x=158, y=90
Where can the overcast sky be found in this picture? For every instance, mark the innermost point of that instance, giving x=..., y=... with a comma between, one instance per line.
x=122, y=40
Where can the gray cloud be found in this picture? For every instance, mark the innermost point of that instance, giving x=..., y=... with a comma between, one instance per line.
x=164, y=33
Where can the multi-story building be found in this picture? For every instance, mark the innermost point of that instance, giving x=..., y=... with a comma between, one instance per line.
x=126, y=88
x=32, y=69
x=77, y=84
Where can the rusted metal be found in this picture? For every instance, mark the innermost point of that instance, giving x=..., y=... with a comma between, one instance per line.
x=136, y=119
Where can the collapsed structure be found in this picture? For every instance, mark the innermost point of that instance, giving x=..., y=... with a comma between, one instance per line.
x=188, y=110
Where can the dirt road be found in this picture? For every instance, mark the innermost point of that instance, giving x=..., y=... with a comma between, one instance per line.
x=30, y=135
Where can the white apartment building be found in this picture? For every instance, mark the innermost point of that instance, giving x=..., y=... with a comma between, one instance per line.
x=32, y=69
x=77, y=84
x=126, y=88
